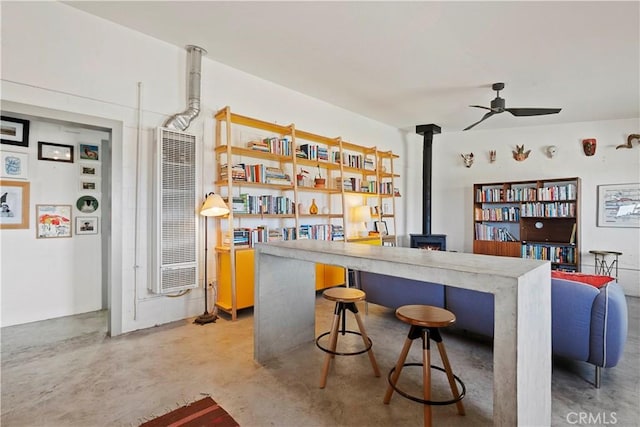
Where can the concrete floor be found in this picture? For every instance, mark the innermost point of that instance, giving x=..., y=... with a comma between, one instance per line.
x=66, y=372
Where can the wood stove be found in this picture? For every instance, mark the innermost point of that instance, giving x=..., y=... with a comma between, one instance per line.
x=426, y=240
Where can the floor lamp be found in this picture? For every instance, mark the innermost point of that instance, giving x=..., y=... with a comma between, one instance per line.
x=213, y=205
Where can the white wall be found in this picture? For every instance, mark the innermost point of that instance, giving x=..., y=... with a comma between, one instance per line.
x=59, y=58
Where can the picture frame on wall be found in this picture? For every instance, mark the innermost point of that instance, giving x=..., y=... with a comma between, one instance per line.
x=89, y=170
x=89, y=152
x=14, y=204
x=90, y=185
x=53, y=221
x=619, y=205
x=86, y=225
x=14, y=165
x=55, y=152
x=14, y=131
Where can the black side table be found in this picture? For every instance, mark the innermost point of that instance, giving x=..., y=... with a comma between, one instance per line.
x=602, y=267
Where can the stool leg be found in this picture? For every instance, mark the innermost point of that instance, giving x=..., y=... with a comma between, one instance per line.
x=426, y=376
x=452, y=382
x=399, y=366
x=333, y=340
x=365, y=339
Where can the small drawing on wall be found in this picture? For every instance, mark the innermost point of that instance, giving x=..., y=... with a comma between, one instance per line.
x=89, y=185
x=89, y=152
x=619, y=205
x=87, y=204
x=14, y=165
x=53, y=221
x=87, y=225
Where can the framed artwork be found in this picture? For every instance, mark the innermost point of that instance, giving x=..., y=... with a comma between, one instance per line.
x=88, y=170
x=53, y=221
x=89, y=185
x=14, y=204
x=87, y=204
x=86, y=225
x=89, y=152
x=55, y=152
x=619, y=205
x=14, y=131
x=381, y=227
x=14, y=165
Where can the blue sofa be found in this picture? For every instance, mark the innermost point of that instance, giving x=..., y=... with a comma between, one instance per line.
x=588, y=323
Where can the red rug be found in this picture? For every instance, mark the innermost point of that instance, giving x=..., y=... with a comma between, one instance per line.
x=203, y=413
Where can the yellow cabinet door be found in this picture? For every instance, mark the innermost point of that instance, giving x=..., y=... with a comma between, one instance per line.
x=244, y=280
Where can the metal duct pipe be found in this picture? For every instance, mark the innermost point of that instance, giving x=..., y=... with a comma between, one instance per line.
x=181, y=121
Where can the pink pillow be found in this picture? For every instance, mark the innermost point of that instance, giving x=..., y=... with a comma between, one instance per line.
x=589, y=279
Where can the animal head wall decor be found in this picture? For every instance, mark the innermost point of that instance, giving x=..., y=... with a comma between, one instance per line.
x=492, y=156
x=589, y=146
x=468, y=159
x=552, y=150
x=520, y=154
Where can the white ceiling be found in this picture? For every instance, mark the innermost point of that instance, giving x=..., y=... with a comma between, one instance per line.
x=409, y=63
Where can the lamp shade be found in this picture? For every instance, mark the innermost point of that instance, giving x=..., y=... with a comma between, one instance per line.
x=361, y=214
x=214, y=206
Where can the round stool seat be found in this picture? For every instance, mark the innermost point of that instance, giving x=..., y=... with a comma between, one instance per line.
x=344, y=294
x=425, y=316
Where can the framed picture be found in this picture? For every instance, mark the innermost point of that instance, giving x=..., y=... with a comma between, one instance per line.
x=53, y=221
x=14, y=204
x=87, y=204
x=14, y=165
x=14, y=131
x=89, y=152
x=619, y=205
x=381, y=227
x=89, y=170
x=89, y=185
x=86, y=225
x=55, y=152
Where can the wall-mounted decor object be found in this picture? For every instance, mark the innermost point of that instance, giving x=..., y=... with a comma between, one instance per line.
x=589, y=146
x=619, y=205
x=14, y=131
x=14, y=165
x=492, y=156
x=87, y=204
x=519, y=154
x=630, y=139
x=90, y=170
x=552, y=150
x=14, y=204
x=89, y=152
x=55, y=152
x=381, y=227
x=53, y=221
x=86, y=225
x=468, y=159
x=89, y=185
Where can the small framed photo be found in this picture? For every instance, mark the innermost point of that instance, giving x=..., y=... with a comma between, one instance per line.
x=14, y=165
x=14, y=131
x=87, y=204
x=381, y=227
x=89, y=185
x=86, y=225
x=89, y=152
x=14, y=204
x=55, y=152
x=53, y=221
x=92, y=171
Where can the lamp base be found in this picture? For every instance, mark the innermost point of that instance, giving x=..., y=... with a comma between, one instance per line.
x=205, y=318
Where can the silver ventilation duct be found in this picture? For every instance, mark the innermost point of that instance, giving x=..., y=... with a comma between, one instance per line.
x=181, y=121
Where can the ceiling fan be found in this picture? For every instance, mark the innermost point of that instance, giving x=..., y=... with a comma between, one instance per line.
x=497, y=107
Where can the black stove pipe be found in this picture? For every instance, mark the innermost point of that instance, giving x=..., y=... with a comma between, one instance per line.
x=427, y=131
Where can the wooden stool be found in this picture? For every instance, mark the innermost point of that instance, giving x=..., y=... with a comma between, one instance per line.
x=425, y=321
x=345, y=299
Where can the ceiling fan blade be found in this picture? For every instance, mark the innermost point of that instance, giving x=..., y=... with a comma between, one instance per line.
x=519, y=112
x=480, y=106
x=485, y=117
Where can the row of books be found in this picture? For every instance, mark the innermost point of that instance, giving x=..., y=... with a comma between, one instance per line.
x=314, y=152
x=558, y=192
x=527, y=194
x=265, y=204
x=557, y=254
x=321, y=232
x=549, y=210
x=489, y=232
x=244, y=237
x=256, y=173
x=510, y=213
x=274, y=145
